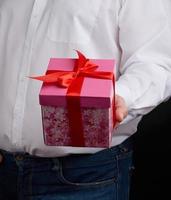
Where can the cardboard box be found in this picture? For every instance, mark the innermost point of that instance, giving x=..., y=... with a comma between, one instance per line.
x=90, y=114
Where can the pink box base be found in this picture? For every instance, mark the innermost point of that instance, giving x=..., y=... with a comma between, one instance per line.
x=97, y=126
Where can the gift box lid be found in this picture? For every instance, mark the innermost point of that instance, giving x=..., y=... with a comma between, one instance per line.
x=96, y=93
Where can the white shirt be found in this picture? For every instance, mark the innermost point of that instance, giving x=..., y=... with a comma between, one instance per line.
x=134, y=32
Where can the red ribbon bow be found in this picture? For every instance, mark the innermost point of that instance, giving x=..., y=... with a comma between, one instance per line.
x=73, y=80
x=83, y=68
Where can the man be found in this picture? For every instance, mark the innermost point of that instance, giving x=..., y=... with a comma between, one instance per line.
x=135, y=33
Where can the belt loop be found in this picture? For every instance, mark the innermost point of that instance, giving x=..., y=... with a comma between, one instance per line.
x=56, y=163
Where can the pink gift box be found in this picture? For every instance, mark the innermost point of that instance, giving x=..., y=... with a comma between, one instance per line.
x=96, y=102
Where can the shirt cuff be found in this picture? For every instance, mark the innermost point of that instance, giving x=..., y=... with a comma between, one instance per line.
x=124, y=92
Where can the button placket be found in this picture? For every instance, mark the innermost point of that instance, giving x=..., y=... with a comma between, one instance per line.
x=18, y=113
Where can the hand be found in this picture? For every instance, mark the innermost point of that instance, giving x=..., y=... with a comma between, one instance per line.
x=121, y=109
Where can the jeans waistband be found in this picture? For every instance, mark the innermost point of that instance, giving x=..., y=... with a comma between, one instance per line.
x=106, y=155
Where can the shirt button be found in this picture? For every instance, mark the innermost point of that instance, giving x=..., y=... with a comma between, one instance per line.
x=21, y=79
x=19, y=157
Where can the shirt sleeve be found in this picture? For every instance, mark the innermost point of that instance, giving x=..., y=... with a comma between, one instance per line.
x=145, y=69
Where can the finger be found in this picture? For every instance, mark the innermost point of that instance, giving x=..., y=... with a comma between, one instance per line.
x=121, y=113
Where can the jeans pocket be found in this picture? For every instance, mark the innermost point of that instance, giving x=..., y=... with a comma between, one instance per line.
x=73, y=21
x=96, y=175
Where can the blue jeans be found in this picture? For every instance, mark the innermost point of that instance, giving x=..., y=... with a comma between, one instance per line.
x=101, y=176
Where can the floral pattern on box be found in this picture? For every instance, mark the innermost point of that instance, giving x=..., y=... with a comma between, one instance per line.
x=97, y=126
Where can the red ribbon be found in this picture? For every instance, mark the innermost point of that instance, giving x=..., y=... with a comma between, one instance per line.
x=73, y=80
